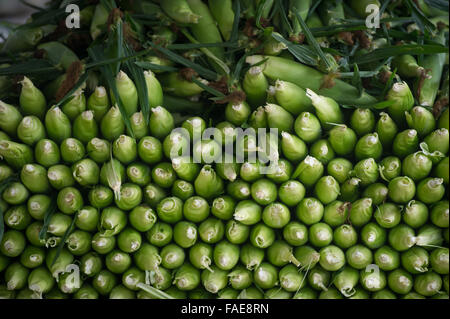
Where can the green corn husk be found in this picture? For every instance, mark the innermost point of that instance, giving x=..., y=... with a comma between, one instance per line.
x=85, y=127
x=327, y=110
x=23, y=39
x=127, y=93
x=279, y=68
x=138, y=126
x=179, y=11
x=99, y=21
x=403, y=100
x=255, y=86
x=161, y=122
x=155, y=92
x=15, y=154
x=98, y=102
x=279, y=118
x=31, y=130
x=112, y=174
x=112, y=124
x=386, y=129
x=224, y=15
x=343, y=140
x=421, y=120
x=434, y=63
x=292, y=97
x=58, y=125
x=10, y=118
x=176, y=85
x=76, y=105
x=208, y=184
x=32, y=100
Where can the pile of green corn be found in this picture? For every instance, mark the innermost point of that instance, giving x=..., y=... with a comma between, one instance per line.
x=107, y=192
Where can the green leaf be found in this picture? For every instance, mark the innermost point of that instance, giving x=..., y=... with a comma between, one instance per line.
x=46, y=17
x=208, y=53
x=47, y=218
x=388, y=85
x=366, y=74
x=413, y=49
x=353, y=25
x=260, y=11
x=96, y=54
x=234, y=79
x=208, y=88
x=155, y=67
x=137, y=74
x=313, y=8
x=237, y=16
x=3, y=186
x=312, y=41
x=105, y=62
x=2, y=224
x=108, y=4
x=283, y=16
x=29, y=67
x=190, y=46
x=202, y=71
x=32, y=6
x=64, y=239
x=438, y=4
x=303, y=53
x=237, y=70
x=114, y=47
x=175, y=104
x=356, y=80
x=155, y=293
x=7, y=182
x=400, y=35
x=421, y=20
x=382, y=105
x=69, y=95
x=331, y=30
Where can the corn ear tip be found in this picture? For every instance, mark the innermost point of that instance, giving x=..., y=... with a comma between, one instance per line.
x=271, y=90
x=255, y=70
x=254, y=59
x=26, y=83
x=100, y=91
x=279, y=85
x=313, y=96
x=285, y=135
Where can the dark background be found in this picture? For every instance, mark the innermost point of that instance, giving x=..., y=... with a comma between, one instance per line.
x=14, y=12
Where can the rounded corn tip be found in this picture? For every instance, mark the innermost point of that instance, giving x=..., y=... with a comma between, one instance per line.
x=3, y=106
x=254, y=59
x=157, y=109
x=271, y=90
x=399, y=86
x=312, y=95
x=100, y=91
x=279, y=85
x=79, y=92
x=26, y=83
x=269, y=108
x=255, y=70
x=193, y=18
x=88, y=115
x=412, y=133
x=149, y=73
x=121, y=76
